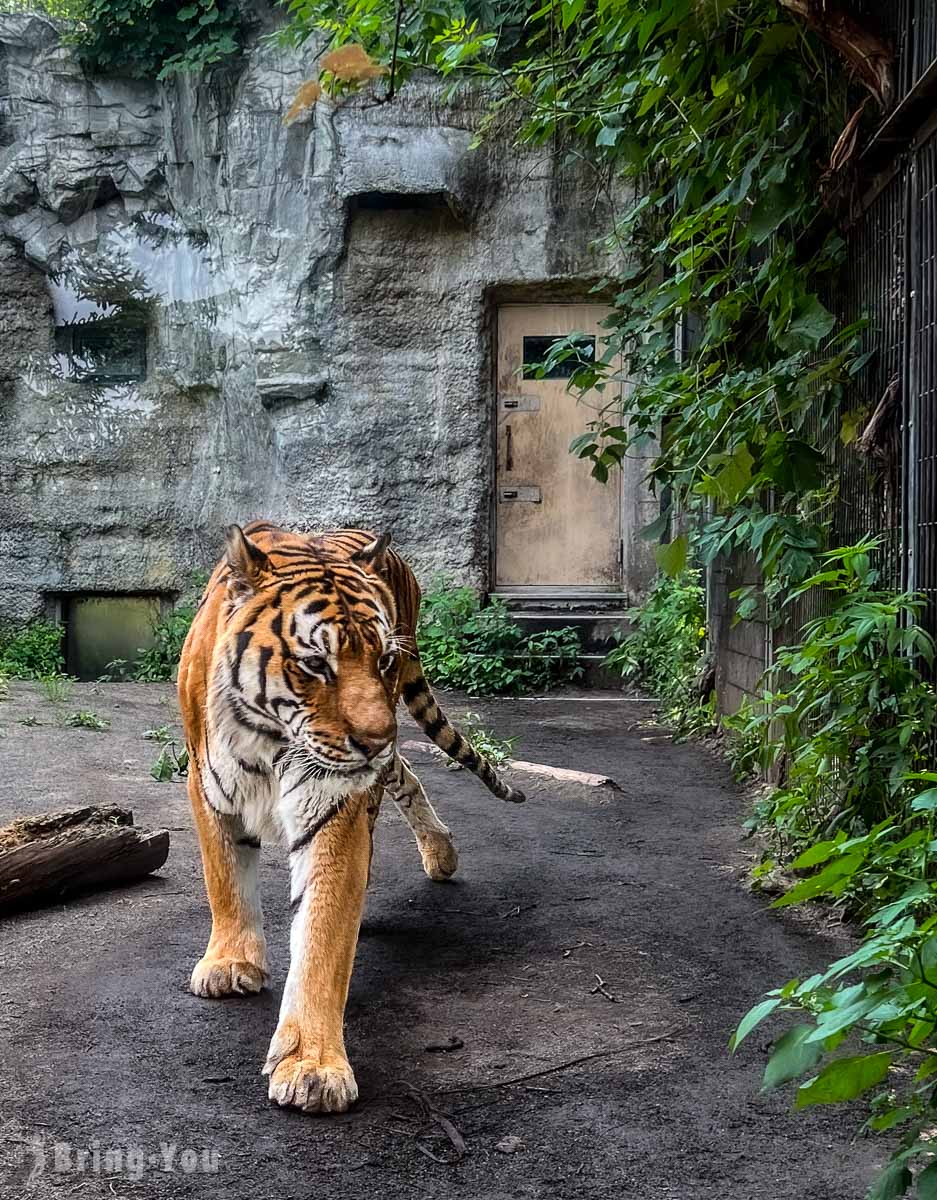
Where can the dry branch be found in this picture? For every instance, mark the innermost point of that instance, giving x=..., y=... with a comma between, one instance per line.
x=879, y=438
x=867, y=54
x=46, y=857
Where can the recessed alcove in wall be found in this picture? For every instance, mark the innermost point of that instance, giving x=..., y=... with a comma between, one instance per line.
x=103, y=626
x=102, y=351
x=399, y=201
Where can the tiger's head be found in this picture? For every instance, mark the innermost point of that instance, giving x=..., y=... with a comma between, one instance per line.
x=309, y=658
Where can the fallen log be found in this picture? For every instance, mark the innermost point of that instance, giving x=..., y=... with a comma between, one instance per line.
x=52, y=855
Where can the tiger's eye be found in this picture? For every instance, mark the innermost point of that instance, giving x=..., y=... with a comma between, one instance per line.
x=315, y=664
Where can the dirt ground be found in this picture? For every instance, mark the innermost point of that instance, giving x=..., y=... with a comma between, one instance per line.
x=104, y=1049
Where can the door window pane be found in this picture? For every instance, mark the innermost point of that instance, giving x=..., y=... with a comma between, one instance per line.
x=537, y=348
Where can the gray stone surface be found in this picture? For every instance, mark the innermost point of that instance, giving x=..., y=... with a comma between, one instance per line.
x=318, y=300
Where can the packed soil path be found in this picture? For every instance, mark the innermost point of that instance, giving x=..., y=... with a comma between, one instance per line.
x=466, y=996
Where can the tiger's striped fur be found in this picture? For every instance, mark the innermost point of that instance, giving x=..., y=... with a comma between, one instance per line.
x=288, y=684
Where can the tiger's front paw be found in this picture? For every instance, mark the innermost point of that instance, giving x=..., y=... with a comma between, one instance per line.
x=323, y=1084
x=215, y=977
x=439, y=855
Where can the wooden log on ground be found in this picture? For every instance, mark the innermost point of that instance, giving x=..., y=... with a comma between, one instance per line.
x=52, y=855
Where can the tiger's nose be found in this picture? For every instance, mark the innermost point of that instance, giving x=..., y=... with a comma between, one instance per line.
x=371, y=744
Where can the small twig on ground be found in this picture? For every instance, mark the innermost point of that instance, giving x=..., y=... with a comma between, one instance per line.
x=517, y=910
x=434, y=1116
x=600, y=987
x=399, y=1116
x=564, y=1066
x=435, y=1157
x=454, y=1043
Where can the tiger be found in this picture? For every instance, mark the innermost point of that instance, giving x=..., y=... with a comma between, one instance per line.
x=289, y=680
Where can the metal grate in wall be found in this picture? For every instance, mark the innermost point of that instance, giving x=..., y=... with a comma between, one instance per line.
x=890, y=280
x=923, y=39
x=922, y=500
x=910, y=28
x=875, y=290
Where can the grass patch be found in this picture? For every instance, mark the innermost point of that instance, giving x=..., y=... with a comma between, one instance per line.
x=85, y=719
x=31, y=651
x=483, y=651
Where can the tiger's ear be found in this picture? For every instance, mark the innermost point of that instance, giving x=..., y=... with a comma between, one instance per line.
x=373, y=556
x=246, y=562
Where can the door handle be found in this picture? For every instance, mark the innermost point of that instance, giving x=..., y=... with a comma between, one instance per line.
x=509, y=452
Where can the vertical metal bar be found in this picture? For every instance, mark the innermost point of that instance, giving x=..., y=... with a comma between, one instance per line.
x=909, y=383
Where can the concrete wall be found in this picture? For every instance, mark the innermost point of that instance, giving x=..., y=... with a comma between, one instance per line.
x=318, y=301
x=740, y=651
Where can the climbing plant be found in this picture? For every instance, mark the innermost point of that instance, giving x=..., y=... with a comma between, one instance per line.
x=707, y=127
x=68, y=10
x=703, y=122
x=147, y=38
x=663, y=651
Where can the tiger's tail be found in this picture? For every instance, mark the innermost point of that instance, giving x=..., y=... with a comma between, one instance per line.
x=421, y=703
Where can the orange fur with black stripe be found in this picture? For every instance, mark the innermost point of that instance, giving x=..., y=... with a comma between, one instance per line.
x=288, y=683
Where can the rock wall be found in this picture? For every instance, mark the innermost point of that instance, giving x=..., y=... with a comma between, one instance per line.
x=313, y=302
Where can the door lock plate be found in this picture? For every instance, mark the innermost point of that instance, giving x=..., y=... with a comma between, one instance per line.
x=518, y=495
x=520, y=403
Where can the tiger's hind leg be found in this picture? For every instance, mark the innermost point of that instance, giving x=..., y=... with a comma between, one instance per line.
x=433, y=839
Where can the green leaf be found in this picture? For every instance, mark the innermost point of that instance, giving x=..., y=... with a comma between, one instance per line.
x=818, y=884
x=844, y=1079
x=927, y=1068
x=812, y=322
x=850, y=425
x=816, y=854
x=893, y=1182
x=671, y=557
x=735, y=475
x=890, y=1118
x=925, y=801
x=774, y=206
x=843, y=1018
x=752, y=1018
x=162, y=769
x=571, y=10
x=927, y=1183
x=656, y=529
x=791, y=1056
x=608, y=135
x=648, y=25
x=914, y=895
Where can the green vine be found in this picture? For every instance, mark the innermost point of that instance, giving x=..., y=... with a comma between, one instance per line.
x=147, y=38
x=716, y=118
x=716, y=115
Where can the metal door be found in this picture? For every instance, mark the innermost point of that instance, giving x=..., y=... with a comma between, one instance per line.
x=557, y=527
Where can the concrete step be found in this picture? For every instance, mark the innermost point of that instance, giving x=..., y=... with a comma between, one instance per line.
x=597, y=631
x=563, y=601
x=597, y=677
x=600, y=618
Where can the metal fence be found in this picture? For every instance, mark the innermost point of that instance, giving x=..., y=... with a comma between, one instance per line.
x=921, y=404
x=890, y=280
x=910, y=26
